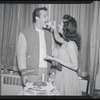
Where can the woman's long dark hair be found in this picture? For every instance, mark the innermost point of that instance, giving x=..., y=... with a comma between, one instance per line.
x=70, y=30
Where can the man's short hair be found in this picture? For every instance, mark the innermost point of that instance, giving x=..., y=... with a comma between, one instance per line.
x=36, y=13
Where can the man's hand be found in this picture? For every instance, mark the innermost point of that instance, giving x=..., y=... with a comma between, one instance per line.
x=25, y=80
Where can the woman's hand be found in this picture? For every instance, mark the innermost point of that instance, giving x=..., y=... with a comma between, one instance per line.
x=50, y=58
x=53, y=25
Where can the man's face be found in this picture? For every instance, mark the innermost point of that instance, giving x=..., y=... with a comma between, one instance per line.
x=43, y=19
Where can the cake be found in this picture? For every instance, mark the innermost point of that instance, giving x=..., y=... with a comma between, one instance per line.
x=39, y=88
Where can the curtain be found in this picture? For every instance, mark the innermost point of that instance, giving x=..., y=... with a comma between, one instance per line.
x=1, y=27
x=8, y=33
x=94, y=47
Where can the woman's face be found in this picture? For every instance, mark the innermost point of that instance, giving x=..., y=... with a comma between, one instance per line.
x=60, y=27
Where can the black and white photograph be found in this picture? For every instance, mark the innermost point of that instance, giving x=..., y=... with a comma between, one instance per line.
x=50, y=49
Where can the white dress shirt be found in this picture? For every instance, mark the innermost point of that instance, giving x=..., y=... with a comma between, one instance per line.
x=42, y=62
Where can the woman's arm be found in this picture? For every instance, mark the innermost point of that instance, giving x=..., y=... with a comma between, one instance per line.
x=56, y=34
x=57, y=37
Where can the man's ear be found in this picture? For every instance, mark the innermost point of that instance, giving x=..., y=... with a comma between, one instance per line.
x=37, y=18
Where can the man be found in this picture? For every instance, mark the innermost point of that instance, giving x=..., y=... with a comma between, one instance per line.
x=34, y=43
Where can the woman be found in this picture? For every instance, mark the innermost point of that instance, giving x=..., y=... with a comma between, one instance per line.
x=66, y=80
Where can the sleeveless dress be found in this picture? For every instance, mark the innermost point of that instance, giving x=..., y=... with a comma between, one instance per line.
x=67, y=81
